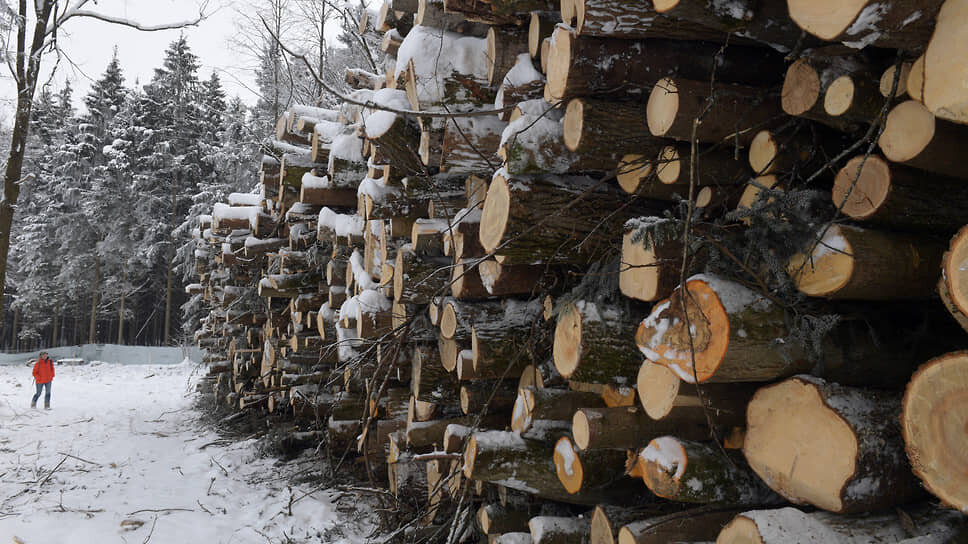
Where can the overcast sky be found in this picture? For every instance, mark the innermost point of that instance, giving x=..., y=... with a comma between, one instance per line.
x=89, y=44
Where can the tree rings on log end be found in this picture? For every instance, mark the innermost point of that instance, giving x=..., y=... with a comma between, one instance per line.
x=862, y=186
x=494, y=217
x=662, y=463
x=801, y=88
x=567, y=344
x=934, y=421
x=763, y=152
x=945, y=70
x=568, y=465
x=663, y=106
x=908, y=130
x=559, y=60
x=448, y=320
x=574, y=122
x=669, y=165
x=839, y=96
x=658, y=388
x=827, y=269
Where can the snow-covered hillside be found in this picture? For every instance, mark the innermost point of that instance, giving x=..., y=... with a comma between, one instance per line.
x=122, y=455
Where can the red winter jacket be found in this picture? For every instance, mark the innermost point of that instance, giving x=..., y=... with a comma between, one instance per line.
x=44, y=370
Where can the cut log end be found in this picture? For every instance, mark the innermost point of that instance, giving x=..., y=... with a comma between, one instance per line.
x=494, y=217
x=568, y=465
x=887, y=80
x=668, y=166
x=658, y=388
x=448, y=320
x=862, y=186
x=638, y=276
x=574, y=123
x=663, y=462
x=581, y=430
x=826, y=19
x=934, y=421
x=663, y=106
x=828, y=267
x=534, y=35
x=945, y=70
x=632, y=171
x=801, y=88
x=839, y=96
x=567, y=345
x=559, y=61
x=763, y=152
x=742, y=530
x=784, y=422
x=908, y=130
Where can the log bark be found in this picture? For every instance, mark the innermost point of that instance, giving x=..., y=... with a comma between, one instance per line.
x=739, y=111
x=574, y=67
x=767, y=23
x=418, y=278
x=524, y=279
x=558, y=530
x=932, y=423
x=831, y=446
x=533, y=144
x=431, y=13
x=491, y=396
x=627, y=427
x=943, y=72
x=591, y=343
x=504, y=44
x=494, y=519
x=880, y=193
x=668, y=399
x=914, y=137
x=953, y=285
x=901, y=25
x=689, y=526
x=470, y=145
x=790, y=524
x=398, y=142
x=699, y=472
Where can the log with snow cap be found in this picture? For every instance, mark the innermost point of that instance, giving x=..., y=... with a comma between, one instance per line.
x=918, y=524
x=575, y=67
x=319, y=191
x=850, y=263
x=396, y=136
x=457, y=80
x=523, y=82
x=700, y=472
x=831, y=446
x=592, y=343
x=551, y=219
x=373, y=319
x=558, y=529
x=470, y=144
x=431, y=14
x=860, y=23
x=346, y=165
x=533, y=143
x=933, y=424
x=733, y=334
x=875, y=191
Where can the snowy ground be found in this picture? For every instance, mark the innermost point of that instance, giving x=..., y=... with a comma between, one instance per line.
x=122, y=457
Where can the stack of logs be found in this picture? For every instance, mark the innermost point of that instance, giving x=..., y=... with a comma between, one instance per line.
x=475, y=278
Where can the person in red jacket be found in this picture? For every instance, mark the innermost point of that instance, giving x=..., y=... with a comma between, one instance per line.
x=43, y=375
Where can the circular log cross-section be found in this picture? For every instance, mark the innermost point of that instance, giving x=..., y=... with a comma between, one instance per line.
x=913, y=136
x=863, y=264
x=591, y=344
x=943, y=70
x=953, y=285
x=831, y=446
x=933, y=419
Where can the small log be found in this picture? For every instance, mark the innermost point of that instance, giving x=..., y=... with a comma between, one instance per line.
x=651, y=258
x=875, y=191
x=493, y=396
x=932, y=423
x=901, y=25
x=494, y=519
x=808, y=80
x=430, y=13
x=391, y=43
x=739, y=111
x=790, y=525
x=361, y=79
x=608, y=129
x=469, y=145
x=668, y=399
x=522, y=279
x=953, y=284
x=854, y=98
x=886, y=83
x=626, y=427
x=914, y=137
x=504, y=44
x=850, y=263
x=591, y=343
x=535, y=404
x=465, y=282
x=418, y=278
x=540, y=26
x=943, y=88
x=857, y=466
x=699, y=472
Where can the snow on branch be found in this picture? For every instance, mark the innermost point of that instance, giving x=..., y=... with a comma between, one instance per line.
x=77, y=11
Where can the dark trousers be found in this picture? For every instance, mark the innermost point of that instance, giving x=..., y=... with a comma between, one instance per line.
x=41, y=387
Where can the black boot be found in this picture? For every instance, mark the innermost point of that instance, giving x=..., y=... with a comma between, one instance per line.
x=46, y=405
x=33, y=404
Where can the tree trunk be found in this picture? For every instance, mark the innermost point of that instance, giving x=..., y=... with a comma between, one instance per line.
x=124, y=286
x=831, y=446
x=932, y=423
x=95, y=292
x=862, y=264
x=872, y=190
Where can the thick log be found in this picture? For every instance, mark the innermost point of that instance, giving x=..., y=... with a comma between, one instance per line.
x=541, y=25
x=522, y=83
x=700, y=472
x=943, y=73
x=493, y=396
x=418, y=278
x=523, y=279
x=494, y=519
x=717, y=311
x=534, y=404
x=953, y=285
x=863, y=264
x=397, y=139
x=875, y=191
x=456, y=81
x=608, y=129
x=318, y=191
x=896, y=24
x=598, y=471
x=575, y=67
x=428, y=375
x=831, y=446
x=739, y=111
x=699, y=525
x=651, y=258
x=470, y=145
x=791, y=525
x=504, y=44
x=533, y=144
x=592, y=343
x=430, y=13
x=569, y=210
x=914, y=137
x=465, y=281
x=765, y=22
x=932, y=422
x=511, y=339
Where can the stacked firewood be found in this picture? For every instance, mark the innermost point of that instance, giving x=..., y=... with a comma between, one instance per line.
x=521, y=275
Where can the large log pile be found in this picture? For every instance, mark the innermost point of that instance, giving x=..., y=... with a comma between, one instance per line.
x=571, y=259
